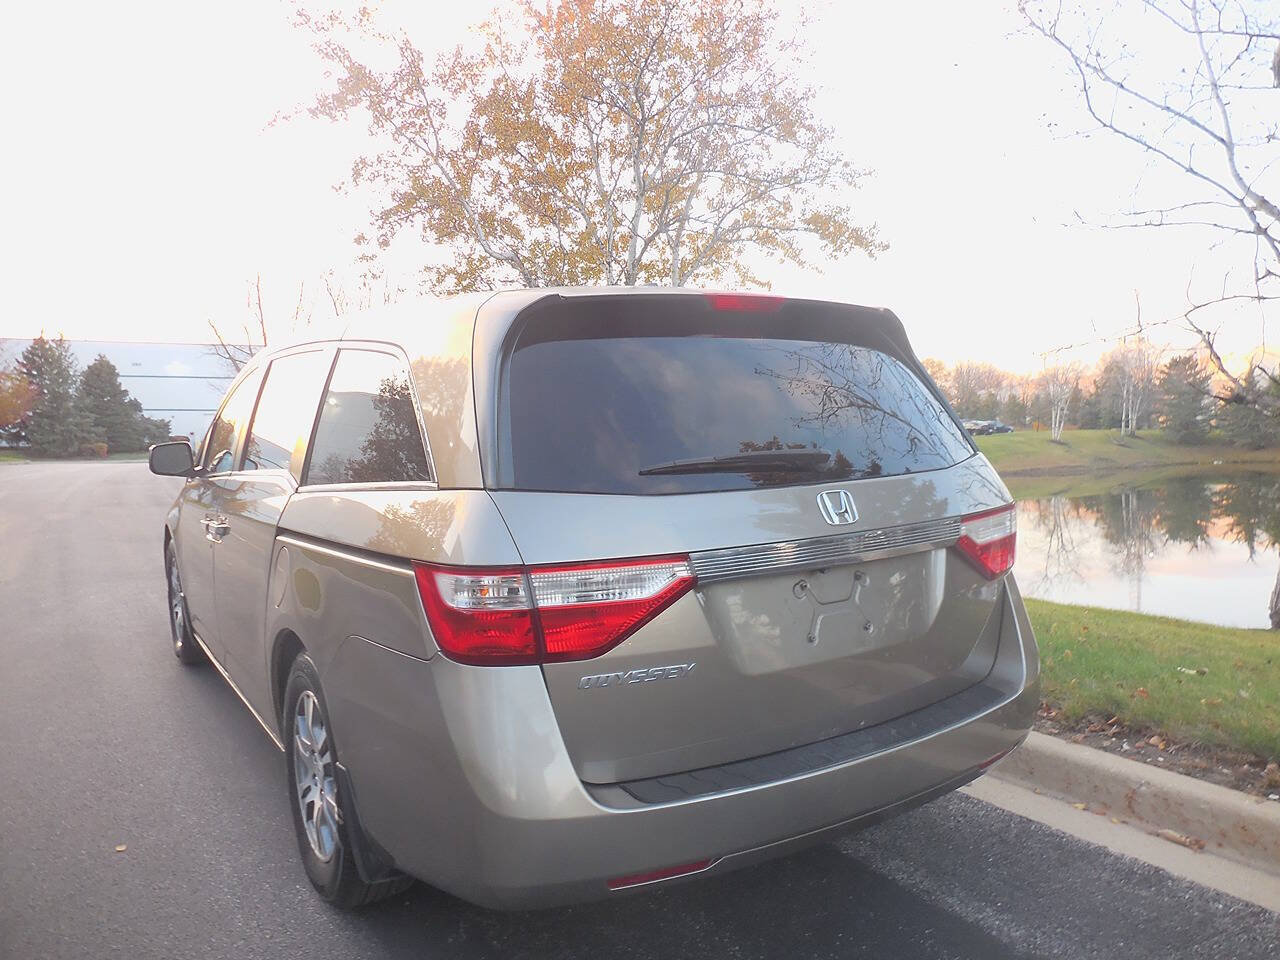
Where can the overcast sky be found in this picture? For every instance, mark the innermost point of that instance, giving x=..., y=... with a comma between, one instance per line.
x=143, y=189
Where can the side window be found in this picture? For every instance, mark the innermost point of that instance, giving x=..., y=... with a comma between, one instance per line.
x=286, y=410
x=220, y=443
x=368, y=430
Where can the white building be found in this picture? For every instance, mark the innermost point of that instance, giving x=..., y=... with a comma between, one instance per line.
x=179, y=382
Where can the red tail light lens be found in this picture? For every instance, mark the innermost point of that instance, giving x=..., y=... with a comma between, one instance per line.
x=745, y=302
x=545, y=614
x=586, y=609
x=479, y=616
x=988, y=540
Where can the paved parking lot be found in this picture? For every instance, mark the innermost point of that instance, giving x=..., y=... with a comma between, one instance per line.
x=107, y=740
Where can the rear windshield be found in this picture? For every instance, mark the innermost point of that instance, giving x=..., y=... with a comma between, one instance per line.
x=614, y=404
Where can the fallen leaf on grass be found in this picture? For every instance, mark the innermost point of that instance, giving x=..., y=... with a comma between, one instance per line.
x=1211, y=702
x=1191, y=843
x=1157, y=742
x=1271, y=775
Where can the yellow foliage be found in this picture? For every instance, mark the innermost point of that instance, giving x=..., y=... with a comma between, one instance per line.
x=655, y=141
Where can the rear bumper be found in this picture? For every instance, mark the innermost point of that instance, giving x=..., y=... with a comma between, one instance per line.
x=463, y=778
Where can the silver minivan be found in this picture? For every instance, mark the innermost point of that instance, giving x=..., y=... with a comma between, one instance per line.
x=548, y=595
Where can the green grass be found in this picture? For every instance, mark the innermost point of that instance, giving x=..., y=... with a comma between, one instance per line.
x=1125, y=664
x=14, y=456
x=1093, y=451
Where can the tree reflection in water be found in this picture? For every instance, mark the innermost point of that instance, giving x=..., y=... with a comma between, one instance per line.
x=1138, y=523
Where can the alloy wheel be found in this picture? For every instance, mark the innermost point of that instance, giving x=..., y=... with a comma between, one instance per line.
x=317, y=790
x=177, y=609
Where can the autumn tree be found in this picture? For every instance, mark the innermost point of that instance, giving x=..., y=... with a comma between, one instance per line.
x=17, y=396
x=976, y=389
x=597, y=141
x=1191, y=84
x=940, y=374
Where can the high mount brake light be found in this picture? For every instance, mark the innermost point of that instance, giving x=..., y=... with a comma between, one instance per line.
x=988, y=540
x=745, y=302
x=513, y=615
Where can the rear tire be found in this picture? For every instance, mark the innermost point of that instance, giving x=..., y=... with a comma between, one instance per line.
x=320, y=813
x=185, y=647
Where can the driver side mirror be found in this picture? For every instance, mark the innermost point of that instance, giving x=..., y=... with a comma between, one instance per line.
x=173, y=459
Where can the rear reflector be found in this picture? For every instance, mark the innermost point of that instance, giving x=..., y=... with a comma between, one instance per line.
x=745, y=302
x=988, y=540
x=992, y=761
x=666, y=873
x=512, y=615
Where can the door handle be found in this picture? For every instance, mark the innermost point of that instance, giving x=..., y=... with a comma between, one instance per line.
x=215, y=528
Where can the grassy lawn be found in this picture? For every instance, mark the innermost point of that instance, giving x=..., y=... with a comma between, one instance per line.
x=14, y=456
x=1088, y=451
x=1148, y=671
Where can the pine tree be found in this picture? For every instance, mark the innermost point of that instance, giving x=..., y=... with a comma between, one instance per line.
x=1184, y=398
x=57, y=425
x=116, y=421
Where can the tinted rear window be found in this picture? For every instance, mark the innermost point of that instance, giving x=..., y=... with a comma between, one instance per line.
x=652, y=412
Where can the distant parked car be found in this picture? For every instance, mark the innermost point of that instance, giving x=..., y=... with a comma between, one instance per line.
x=548, y=595
x=982, y=428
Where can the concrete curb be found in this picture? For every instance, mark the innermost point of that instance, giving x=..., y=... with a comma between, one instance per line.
x=1179, y=808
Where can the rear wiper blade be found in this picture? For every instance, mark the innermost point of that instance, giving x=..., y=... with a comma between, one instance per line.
x=791, y=461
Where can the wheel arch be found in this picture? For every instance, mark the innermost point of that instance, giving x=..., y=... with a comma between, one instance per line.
x=284, y=650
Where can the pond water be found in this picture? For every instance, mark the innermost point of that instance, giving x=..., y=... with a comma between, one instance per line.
x=1195, y=547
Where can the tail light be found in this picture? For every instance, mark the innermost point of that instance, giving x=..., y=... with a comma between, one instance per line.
x=512, y=615
x=988, y=540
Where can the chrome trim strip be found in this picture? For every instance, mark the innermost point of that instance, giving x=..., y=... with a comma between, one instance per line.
x=761, y=559
x=275, y=738
x=383, y=646
x=405, y=570
x=354, y=487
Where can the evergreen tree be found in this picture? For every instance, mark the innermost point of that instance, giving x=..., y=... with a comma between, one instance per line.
x=1088, y=411
x=116, y=418
x=1183, y=399
x=1245, y=424
x=57, y=425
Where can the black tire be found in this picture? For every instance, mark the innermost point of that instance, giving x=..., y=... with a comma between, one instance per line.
x=185, y=647
x=336, y=877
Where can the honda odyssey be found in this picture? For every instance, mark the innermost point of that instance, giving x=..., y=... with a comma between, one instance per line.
x=554, y=594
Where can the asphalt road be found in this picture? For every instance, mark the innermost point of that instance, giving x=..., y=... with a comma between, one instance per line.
x=106, y=739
